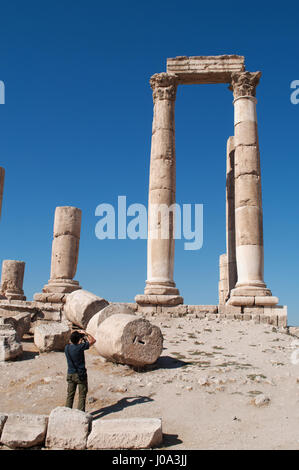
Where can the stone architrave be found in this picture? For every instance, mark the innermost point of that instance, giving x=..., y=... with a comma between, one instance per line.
x=65, y=251
x=128, y=339
x=250, y=288
x=2, y=176
x=12, y=278
x=160, y=286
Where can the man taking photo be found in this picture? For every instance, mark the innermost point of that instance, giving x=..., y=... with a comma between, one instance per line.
x=80, y=341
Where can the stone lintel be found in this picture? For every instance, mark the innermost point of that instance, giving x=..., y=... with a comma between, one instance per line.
x=205, y=69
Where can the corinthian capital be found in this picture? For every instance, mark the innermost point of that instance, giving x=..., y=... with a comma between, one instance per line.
x=164, y=86
x=244, y=83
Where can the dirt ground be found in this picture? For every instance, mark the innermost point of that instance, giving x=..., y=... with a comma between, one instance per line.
x=203, y=386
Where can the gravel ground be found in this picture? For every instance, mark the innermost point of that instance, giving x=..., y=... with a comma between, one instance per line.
x=218, y=384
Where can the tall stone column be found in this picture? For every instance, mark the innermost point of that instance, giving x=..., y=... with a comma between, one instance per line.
x=12, y=278
x=230, y=215
x=227, y=261
x=160, y=286
x=65, y=251
x=250, y=288
x=2, y=175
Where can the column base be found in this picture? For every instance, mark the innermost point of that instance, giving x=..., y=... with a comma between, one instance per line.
x=14, y=294
x=161, y=288
x=61, y=286
x=254, y=295
x=152, y=299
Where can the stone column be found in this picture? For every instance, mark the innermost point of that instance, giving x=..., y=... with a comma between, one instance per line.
x=230, y=215
x=160, y=286
x=223, y=279
x=12, y=279
x=2, y=175
x=250, y=288
x=65, y=251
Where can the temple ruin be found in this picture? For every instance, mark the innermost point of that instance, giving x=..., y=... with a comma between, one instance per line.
x=243, y=294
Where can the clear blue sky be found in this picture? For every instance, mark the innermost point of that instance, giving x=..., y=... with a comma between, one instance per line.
x=76, y=130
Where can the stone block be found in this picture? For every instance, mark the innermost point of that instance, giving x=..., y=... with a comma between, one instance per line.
x=266, y=300
x=24, y=430
x=203, y=309
x=229, y=309
x=241, y=301
x=51, y=336
x=10, y=346
x=253, y=310
x=68, y=429
x=130, y=433
x=176, y=310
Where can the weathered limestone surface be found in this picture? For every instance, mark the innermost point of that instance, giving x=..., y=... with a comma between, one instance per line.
x=128, y=339
x=130, y=433
x=205, y=69
x=2, y=177
x=111, y=309
x=162, y=186
x=51, y=336
x=20, y=322
x=12, y=279
x=24, y=431
x=68, y=429
x=230, y=215
x=248, y=199
x=81, y=306
x=3, y=418
x=223, y=287
x=65, y=251
x=10, y=346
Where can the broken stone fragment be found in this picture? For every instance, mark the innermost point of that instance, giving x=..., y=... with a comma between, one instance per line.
x=128, y=339
x=10, y=346
x=23, y=431
x=51, y=336
x=99, y=317
x=81, y=306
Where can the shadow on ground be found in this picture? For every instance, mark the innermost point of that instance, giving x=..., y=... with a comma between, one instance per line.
x=170, y=440
x=166, y=362
x=119, y=406
x=28, y=355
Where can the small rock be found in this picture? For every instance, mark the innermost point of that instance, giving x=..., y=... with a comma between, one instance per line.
x=261, y=400
x=91, y=400
x=204, y=381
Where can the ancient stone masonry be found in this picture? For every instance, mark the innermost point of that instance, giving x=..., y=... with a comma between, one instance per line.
x=250, y=288
x=160, y=286
x=242, y=266
x=65, y=251
x=12, y=280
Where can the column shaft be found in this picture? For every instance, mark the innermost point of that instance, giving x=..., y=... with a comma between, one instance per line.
x=161, y=205
x=248, y=198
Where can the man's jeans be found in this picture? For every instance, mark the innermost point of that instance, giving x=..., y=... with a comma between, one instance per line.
x=72, y=381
